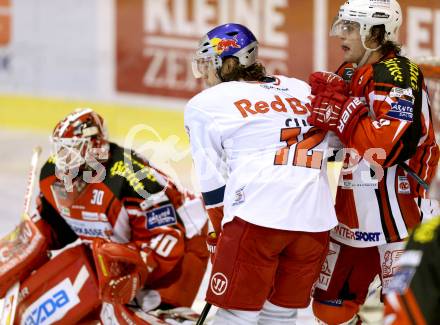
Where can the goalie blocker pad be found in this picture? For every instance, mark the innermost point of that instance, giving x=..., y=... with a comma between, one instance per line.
x=63, y=291
x=21, y=252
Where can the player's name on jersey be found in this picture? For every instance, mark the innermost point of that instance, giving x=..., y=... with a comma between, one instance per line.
x=279, y=105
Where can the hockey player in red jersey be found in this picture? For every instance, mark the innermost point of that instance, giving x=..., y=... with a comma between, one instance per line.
x=261, y=168
x=147, y=236
x=384, y=117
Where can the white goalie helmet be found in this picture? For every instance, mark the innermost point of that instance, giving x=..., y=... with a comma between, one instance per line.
x=78, y=138
x=369, y=13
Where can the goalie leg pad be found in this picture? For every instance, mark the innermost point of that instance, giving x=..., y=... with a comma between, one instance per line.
x=64, y=290
x=21, y=252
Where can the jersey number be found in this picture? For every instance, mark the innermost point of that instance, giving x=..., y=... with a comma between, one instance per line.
x=301, y=156
x=97, y=197
x=164, y=244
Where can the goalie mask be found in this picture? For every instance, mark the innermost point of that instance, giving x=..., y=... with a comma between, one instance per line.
x=221, y=42
x=80, y=139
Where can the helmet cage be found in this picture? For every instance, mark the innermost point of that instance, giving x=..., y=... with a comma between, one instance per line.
x=79, y=139
x=70, y=153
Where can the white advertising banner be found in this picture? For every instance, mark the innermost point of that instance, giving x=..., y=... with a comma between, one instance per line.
x=135, y=49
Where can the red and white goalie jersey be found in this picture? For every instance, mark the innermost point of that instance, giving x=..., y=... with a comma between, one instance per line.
x=133, y=203
x=377, y=202
x=251, y=140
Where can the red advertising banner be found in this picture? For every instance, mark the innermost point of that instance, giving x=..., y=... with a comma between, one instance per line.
x=156, y=39
x=5, y=22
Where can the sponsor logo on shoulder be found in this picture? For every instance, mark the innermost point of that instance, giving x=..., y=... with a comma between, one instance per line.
x=402, y=110
x=403, y=103
x=162, y=216
x=52, y=306
x=406, y=94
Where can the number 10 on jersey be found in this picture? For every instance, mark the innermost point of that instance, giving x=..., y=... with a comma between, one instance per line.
x=303, y=155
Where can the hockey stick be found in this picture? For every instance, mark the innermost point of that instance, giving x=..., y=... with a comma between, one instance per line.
x=31, y=180
x=10, y=300
x=414, y=175
x=204, y=313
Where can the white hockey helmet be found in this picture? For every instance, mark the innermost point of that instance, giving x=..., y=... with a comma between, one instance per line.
x=369, y=13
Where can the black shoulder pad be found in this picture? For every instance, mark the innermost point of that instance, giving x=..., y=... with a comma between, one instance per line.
x=48, y=168
x=129, y=174
x=400, y=72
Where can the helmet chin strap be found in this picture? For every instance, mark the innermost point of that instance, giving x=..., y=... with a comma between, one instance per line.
x=367, y=53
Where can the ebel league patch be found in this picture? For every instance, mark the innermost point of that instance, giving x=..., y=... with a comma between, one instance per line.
x=162, y=216
x=402, y=110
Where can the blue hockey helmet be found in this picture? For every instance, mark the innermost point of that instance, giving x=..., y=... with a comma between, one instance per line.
x=225, y=41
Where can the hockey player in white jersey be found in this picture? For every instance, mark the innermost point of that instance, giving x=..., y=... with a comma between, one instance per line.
x=262, y=173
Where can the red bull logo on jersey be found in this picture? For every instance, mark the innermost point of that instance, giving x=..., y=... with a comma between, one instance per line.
x=223, y=44
x=279, y=105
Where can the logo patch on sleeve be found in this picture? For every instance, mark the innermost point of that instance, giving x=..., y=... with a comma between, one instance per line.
x=402, y=110
x=162, y=216
x=405, y=94
x=239, y=197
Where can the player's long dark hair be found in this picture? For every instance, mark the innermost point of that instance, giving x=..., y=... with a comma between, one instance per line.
x=378, y=34
x=232, y=70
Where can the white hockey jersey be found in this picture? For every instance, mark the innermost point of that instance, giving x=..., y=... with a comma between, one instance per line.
x=255, y=153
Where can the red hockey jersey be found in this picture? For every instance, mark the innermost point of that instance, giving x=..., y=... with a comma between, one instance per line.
x=377, y=201
x=133, y=203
